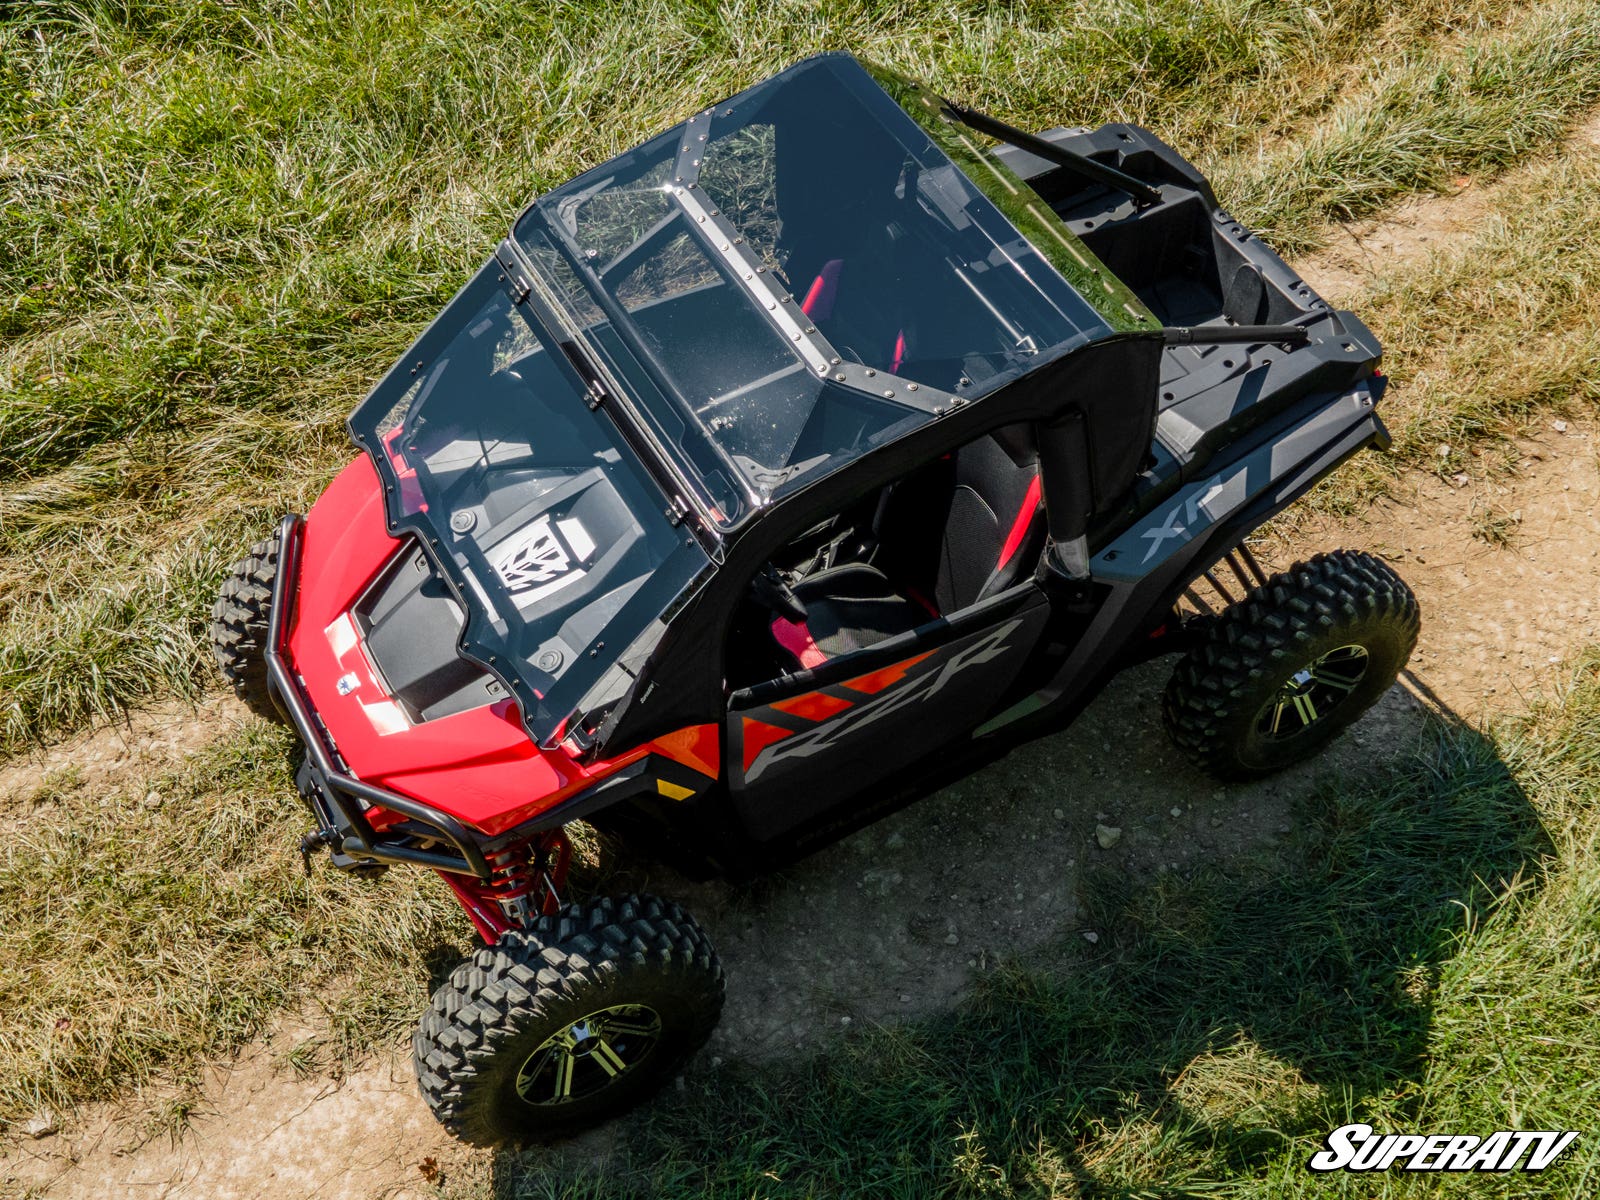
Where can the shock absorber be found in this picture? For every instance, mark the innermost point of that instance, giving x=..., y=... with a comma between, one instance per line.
x=528, y=877
x=552, y=856
x=513, y=883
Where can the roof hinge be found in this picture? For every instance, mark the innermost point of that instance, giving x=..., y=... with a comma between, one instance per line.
x=512, y=275
x=677, y=510
x=516, y=283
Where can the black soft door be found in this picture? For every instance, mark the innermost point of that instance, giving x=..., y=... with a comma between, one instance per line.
x=810, y=743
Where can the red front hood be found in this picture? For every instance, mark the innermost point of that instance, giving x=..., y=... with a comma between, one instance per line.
x=479, y=765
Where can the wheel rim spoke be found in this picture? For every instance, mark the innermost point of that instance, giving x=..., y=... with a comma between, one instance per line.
x=1277, y=715
x=1338, y=683
x=589, y=1054
x=565, y=1063
x=630, y=1027
x=607, y=1059
x=1305, y=709
x=1313, y=692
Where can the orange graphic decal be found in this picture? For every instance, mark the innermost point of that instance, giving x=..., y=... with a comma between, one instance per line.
x=813, y=706
x=876, y=681
x=695, y=746
x=758, y=735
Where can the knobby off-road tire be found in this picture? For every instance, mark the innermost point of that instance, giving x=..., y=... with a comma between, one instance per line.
x=583, y=988
x=1283, y=671
x=239, y=627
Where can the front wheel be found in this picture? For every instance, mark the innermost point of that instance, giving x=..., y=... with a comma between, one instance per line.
x=569, y=1022
x=1283, y=671
x=239, y=627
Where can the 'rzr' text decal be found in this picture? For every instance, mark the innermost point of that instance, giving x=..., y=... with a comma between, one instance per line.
x=840, y=725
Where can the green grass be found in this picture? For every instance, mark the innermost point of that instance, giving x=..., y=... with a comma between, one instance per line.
x=1491, y=332
x=1426, y=957
x=219, y=222
x=222, y=221
x=144, y=936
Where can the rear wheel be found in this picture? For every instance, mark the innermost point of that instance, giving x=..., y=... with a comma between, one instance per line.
x=239, y=627
x=569, y=1022
x=1283, y=671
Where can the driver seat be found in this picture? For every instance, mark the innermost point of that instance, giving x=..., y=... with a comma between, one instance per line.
x=848, y=608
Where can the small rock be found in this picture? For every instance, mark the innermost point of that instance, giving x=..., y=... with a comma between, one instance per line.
x=1216, y=822
x=1107, y=835
x=1444, y=450
x=1058, y=814
x=881, y=880
x=42, y=1124
x=950, y=939
x=1460, y=481
x=1091, y=937
x=894, y=841
x=152, y=800
x=1175, y=811
x=1559, y=426
x=904, y=999
x=1285, y=829
x=1219, y=794
x=844, y=1020
x=716, y=1061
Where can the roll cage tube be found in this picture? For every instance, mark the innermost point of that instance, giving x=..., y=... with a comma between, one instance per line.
x=1079, y=164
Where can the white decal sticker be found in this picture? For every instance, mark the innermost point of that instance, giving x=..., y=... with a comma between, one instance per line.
x=547, y=556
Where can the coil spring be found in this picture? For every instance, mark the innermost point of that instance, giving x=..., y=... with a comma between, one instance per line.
x=512, y=884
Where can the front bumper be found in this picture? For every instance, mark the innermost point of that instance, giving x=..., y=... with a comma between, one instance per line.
x=338, y=800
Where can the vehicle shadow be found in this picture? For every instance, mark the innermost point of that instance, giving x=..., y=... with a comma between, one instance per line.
x=1259, y=990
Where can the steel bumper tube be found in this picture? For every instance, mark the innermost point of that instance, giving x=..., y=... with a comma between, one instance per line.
x=351, y=832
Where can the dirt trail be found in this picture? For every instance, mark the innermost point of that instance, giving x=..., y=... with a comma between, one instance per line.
x=143, y=743
x=882, y=927
x=1497, y=623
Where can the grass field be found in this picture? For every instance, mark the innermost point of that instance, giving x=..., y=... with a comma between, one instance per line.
x=220, y=221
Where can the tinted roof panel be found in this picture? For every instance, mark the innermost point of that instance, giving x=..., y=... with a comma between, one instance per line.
x=800, y=274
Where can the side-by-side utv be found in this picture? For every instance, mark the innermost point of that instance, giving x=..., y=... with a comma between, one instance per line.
x=769, y=475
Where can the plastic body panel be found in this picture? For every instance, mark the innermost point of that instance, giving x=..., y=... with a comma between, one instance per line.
x=479, y=765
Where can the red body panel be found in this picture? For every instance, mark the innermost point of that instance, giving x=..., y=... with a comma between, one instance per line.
x=479, y=766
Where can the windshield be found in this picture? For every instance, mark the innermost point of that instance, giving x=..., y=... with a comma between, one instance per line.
x=558, y=541
x=796, y=276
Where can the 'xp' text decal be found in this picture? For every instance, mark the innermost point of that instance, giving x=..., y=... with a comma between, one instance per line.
x=1358, y=1148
